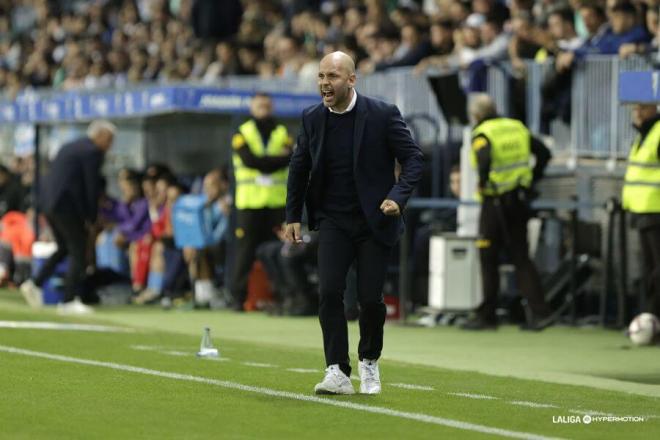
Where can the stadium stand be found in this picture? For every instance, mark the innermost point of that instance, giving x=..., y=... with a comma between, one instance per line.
x=540, y=60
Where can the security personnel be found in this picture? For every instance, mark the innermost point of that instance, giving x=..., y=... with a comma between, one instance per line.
x=261, y=152
x=641, y=197
x=501, y=153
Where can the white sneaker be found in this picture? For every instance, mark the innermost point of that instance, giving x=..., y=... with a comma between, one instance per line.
x=74, y=307
x=369, y=377
x=32, y=294
x=334, y=382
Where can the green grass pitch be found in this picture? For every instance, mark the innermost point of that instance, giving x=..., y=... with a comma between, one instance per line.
x=437, y=383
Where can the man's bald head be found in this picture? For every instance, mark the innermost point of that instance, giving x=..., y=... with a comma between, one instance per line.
x=336, y=80
x=341, y=60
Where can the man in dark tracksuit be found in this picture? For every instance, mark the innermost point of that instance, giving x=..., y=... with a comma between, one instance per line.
x=69, y=199
x=501, y=152
x=261, y=152
x=641, y=197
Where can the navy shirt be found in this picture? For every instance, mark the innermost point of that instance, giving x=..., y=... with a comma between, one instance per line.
x=339, y=192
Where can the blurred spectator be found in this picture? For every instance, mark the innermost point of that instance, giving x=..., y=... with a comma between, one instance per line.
x=651, y=21
x=603, y=38
x=212, y=19
x=202, y=262
x=133, y=222
x=114, y=43
x=562, y=34
x=225, y=63
x=289, y=268
x=175, y=278
x=413, y=47
x=11, y=196
x=160, y=221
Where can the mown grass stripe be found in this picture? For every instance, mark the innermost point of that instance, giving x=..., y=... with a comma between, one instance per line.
x=419, y=417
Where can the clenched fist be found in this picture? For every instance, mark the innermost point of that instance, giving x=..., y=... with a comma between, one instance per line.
x=390, y=207
x=292, y=233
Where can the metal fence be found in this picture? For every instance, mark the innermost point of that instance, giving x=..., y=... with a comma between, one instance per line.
x=599, y=127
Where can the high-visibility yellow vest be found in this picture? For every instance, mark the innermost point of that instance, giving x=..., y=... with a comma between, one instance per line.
x=641, y=186
x=510, y=155
x=255, y=190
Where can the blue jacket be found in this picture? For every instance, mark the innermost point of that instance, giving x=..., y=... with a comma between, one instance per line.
x=216, y=222
x=380, y=136
x=608, y=43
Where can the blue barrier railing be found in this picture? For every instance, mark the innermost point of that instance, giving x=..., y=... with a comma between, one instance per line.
x=55, y=107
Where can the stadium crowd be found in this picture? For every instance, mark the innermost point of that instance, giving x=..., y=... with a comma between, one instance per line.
x=71, y=44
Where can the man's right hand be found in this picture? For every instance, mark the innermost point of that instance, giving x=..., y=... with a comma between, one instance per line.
x=292, y=233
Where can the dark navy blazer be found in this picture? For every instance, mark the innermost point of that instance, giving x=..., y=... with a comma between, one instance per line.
x=72, y=185
x=380, y=136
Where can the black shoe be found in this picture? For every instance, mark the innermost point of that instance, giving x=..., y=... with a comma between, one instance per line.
x=479, y=323
x=538, y=323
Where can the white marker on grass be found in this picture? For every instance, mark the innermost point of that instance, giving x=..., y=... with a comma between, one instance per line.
x=410, y=386
x=474, y=396
x=418, y=417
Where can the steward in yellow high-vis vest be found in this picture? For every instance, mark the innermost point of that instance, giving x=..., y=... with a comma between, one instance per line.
x=641, y=197
x=641, y=186
x=261, y=149
x=255, y=188
x=501, y=153
x=510, y=154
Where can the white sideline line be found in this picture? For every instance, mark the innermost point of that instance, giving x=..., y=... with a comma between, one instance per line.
x=144, y=347
x=586, y=412
x=38, y=325
x=303, y=370
x=419, y=417
x=177, y=353
x=258, y=365
x=409, y=386
x=474, y=396
x=532, y=404
x=218, y=359
x=160, y=349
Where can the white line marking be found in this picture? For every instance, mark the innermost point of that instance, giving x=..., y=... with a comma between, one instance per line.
x=144, y=347
x=419, y=417
x=586, y=412
x=177, y=353
x=303, y=370
x=532, y=404
x=218, y=359
x=161, y=349
x=258, y=365
x=651, y=417
x=354, y=377
x=409, y=386
x=473, y=396
x=35, y=325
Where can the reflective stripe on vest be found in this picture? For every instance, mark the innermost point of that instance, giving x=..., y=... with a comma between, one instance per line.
x=255, y=190
x=510, y=154
x=641, y=186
